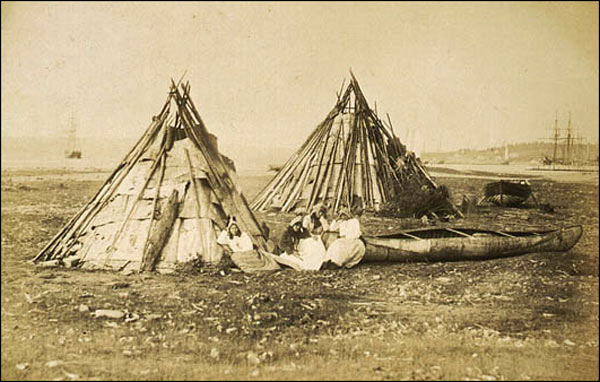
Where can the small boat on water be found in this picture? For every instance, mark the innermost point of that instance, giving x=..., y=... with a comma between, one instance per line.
x=508, y=193
x=457, y=244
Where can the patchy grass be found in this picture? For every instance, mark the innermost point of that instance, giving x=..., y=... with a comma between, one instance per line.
x=528, y=317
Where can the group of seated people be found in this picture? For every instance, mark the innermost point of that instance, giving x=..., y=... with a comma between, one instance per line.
x=313, y=243
x=310, y=242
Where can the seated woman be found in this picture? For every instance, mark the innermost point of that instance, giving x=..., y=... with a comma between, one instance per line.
x=348, y=250
x=242, y=251
x=300, y=248
x=234, y=238
x=316, y=222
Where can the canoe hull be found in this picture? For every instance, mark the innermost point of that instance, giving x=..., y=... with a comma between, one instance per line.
x=475, y=247
x=507, y=193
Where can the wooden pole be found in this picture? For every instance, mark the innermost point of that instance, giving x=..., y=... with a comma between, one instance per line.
x=364, y=164
x=339, y=94
x=387, y=171
x=372, y=167
x=380, y=172
x=344, y=182
x=368, y=194
x=390, y=123
x=342, y=177
x=159, y=234
x=343, y=166
x=322, y=192
x=351, y=172
x=156, y=197
x=318, y=177
x=298, y=185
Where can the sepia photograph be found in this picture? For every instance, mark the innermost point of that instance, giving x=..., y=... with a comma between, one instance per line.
x=304, y=190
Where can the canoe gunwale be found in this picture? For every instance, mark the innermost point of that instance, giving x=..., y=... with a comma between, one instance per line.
x=407, y=235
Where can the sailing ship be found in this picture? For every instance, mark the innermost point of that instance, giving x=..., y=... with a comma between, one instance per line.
x=569, y=152
x=72, y=151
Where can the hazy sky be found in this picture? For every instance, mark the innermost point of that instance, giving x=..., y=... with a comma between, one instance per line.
x=265, y=74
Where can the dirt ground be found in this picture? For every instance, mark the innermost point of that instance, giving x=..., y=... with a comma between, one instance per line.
x=532, y=317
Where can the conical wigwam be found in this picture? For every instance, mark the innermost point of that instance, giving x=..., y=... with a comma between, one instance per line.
x=165, y=202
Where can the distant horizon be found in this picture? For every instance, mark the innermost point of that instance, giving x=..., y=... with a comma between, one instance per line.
x=107, y=152
x=55, y=144
x=135, y=137
x=486, y=145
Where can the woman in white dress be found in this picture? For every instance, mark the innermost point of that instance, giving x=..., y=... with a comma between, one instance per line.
x=234, y=238
x=242, y=252
x=316, y=222
x=348, y=250
x=299, y=247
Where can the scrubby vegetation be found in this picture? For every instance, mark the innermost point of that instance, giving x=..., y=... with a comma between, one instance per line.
x=417, y=202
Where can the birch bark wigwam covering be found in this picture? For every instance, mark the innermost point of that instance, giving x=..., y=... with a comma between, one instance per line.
x=164, y=203
x=350, y=159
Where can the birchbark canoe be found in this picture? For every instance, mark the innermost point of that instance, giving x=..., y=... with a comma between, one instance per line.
x=457, y=244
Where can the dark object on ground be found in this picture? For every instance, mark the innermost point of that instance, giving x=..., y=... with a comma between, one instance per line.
x=418, y=202
x=120, y=285
x=329, y=265
x=455, y=244
x=507, y=193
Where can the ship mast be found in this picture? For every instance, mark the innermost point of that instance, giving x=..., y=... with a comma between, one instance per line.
x=569, y=143
x=72, y=134
x=555, y=137
x=72, y=149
